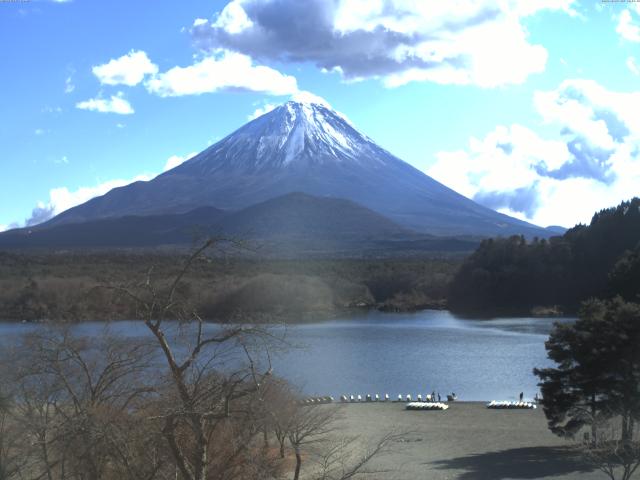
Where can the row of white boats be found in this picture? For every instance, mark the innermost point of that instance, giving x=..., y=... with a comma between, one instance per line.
x=426, y=406
x=429, y=403
x=511, y=405
x=386, y=398
x=316, y=400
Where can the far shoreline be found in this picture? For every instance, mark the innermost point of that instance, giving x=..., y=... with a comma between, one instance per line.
x=304, y=318
x=310, y=317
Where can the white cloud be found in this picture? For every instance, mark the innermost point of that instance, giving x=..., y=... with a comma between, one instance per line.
x=222, y=70
x=633, y=66
x=49, y=109
x=116, y=104
x=504, y=161
x=594, y=163
x=495, y=54
x=61, y=198
x=174, y=160
x=38, y=131
x=68, y=85
x=308, y=97
x=586, y=107
x=302, y=96
x=627, y=27
x=233, y=18
x=258, y=112
x=479, y=42
x=129, y=69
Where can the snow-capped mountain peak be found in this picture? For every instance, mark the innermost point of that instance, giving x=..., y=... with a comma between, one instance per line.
x=303, y=146
x=295, y=133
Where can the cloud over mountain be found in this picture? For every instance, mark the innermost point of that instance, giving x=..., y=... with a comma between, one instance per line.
x=468, y=42
x=63, y=198
x=218, y=71
x=593, y=161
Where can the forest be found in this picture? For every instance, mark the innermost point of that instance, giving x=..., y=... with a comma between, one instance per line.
x=504, y=276
x=517, y=276
x=70, y=286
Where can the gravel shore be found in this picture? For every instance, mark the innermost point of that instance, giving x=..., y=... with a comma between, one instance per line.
x=467, y=441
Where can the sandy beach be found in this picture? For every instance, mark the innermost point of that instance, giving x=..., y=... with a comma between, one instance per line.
x=467, y=441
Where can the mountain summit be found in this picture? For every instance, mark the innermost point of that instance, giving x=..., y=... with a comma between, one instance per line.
x=303, y=147
x=293, y=135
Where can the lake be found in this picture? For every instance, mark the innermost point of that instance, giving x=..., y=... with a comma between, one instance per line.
x=397, y=353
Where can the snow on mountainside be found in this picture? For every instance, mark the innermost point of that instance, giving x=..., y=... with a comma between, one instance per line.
x=294, y=132
x=303, y=147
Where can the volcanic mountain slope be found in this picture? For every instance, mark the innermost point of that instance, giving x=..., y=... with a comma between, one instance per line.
x=303, y=147
x=295, y=223
x=301, y=215
x=127, y=231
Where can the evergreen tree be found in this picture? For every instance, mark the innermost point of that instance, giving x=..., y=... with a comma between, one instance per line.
x=624, y=278
x=511, y=275
x=598, y=369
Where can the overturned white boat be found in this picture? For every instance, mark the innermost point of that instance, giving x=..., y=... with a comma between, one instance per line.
x=508, y=405
x=426, y=406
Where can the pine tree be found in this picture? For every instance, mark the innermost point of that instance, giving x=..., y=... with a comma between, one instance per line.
x=598, y=369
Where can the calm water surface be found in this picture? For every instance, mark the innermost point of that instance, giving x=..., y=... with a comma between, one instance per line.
x=398, y=353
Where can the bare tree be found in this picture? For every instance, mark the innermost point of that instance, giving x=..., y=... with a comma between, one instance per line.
x=74, y=401
x=345, y=458
x=313, y=434
x=308, y=427
x=12, y=445
x=190, y=401
x=616, y=455
x=280, y=404
x=209, y=396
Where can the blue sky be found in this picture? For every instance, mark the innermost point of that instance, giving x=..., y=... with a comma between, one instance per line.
x=527, y=107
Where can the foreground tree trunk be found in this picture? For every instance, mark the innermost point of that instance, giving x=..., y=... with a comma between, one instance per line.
x=296, y=474
x=594, y=426
x=204, y=390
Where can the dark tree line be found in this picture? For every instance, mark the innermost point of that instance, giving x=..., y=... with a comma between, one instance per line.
x=514, y=275
x=61, y=286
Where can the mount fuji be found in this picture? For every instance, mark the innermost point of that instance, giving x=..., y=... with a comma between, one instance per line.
x=307, y=148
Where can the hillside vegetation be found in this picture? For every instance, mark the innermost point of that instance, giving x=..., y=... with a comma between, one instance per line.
x=513, y=275
x=70, y=286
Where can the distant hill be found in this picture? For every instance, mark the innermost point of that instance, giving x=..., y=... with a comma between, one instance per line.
x=305, y=215
x=601, y=259
x=128, y=231
x=556, y=229
x=293, y=224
